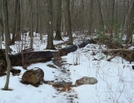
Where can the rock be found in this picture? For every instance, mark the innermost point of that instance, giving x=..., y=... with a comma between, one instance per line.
x=86, y=80
x=34, y=77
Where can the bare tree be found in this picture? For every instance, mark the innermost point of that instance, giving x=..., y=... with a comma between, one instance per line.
x=101, y=13
x=68, y=21
x=63, y=18
x=50, y=25
x=1, y=24
x=6, y=31
x=90, y=17
x=58, y=22
x=130, y=23
x=16, y=28
x=31, y=26
x=38, y=16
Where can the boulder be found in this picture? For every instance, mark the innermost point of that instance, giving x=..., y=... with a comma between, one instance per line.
x=86, y=80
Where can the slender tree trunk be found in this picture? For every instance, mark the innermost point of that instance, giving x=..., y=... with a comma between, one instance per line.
x=18, y=21
x=1, y=35
x=101, y=14
x=6, y=31
x=63, y=19
x=112, y=19
x=125, y=25
x=68, y=18
x=31, y=26
x=1, y=24
x=90, y=17
x=58, y=22
x=130, y=24
x=14, y=23
x=50, y=26
x=37, y=12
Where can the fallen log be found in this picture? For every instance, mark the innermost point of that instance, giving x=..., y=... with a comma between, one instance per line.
x=28, y=58
x=72, y=48
x=114, y=50
x=65, y=51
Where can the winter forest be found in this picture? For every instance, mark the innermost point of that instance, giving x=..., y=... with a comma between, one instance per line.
x=66, y=51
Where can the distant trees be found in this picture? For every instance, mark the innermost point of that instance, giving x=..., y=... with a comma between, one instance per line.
x=85, y=16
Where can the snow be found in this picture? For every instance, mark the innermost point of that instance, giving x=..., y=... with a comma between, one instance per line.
x=115, y=80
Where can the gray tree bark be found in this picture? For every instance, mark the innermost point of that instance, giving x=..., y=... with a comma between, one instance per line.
x=101, y=14
x=6, y=31
x=68, y=21
x=130, y=28
x=16, y=28
x=50, y=25
x=63, y=18
x=31, y=26
x=90, y=17
x=58, y=22
x=1, y=24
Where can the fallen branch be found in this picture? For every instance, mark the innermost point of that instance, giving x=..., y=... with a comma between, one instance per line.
x=127, y=54
x=113, y=56
x=114, y=50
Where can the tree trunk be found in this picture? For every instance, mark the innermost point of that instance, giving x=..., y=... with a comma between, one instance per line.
x=58, y=22
x=17, y=20
x=38, y=16
x=1, y=24
x=6, y=31
x=63, y=19
x=50, y=26
x=130, y=28
x=101, y=14
x=68, y=18
x=113, y=18
x=90, y=17
x=31, y=26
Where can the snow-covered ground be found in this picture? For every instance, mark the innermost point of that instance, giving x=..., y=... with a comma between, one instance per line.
x=115, y=79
